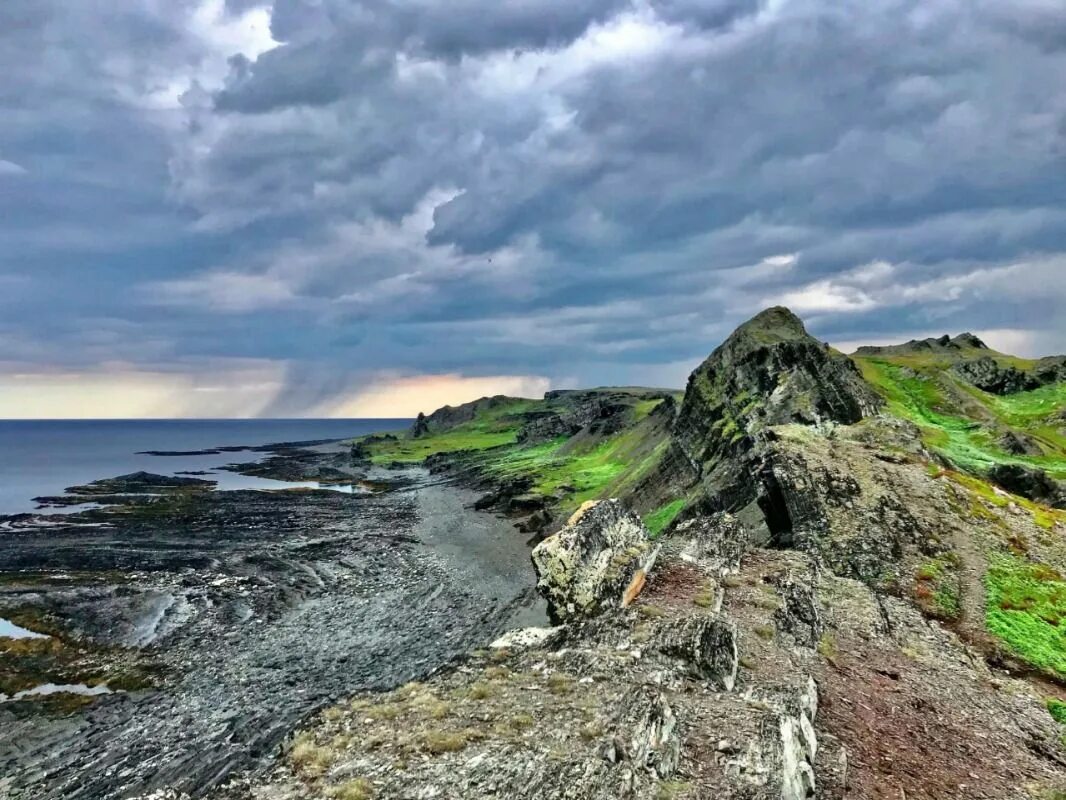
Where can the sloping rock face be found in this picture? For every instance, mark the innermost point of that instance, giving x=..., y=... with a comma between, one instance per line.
x=769, y=372
x=1029, y=482
x=600, y=412
x=989, y=376
x=585, y=568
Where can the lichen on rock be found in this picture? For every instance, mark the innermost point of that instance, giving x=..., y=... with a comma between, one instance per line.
x=586, y=567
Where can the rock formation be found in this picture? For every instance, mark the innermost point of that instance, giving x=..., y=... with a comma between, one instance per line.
x=840, y=610
x=584, y=569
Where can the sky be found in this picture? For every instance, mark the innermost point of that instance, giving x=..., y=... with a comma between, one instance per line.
x=373, y=207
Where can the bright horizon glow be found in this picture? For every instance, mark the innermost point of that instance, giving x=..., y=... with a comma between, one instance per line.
x=220, y=394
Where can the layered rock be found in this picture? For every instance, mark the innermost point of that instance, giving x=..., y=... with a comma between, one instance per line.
x=769, y=372
x=989, y=376
x=586, y=567
x=1034, y=484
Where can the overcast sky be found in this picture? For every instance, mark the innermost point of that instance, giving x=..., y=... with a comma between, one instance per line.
x=368, y=207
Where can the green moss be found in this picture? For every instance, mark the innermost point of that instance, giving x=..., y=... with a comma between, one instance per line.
x=937, y=589
x=963, y=423
x=1057, y=709
x=658, y=520
x=1026, y=610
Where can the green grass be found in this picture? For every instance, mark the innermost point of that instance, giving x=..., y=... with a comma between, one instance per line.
x=961, y=422
x=657, y=521
x=495, y=427
x=567, y=470
x=936, y=587
x=1057, y=709
x=1026, y=610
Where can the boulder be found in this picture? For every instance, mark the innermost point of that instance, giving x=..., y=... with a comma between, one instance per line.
x=706, y=647
x=1034, y=484
x=586, y=567
x=719, y=540
x=989, y=376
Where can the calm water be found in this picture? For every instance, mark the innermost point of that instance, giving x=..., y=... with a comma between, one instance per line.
x=43, y=457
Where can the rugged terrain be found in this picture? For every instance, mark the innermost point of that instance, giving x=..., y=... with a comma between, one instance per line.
x=212, y=623
x=810, y=575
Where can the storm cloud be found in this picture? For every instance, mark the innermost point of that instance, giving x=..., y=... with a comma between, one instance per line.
x=351, y=194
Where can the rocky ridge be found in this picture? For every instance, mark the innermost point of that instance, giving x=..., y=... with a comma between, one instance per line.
x=834, y=608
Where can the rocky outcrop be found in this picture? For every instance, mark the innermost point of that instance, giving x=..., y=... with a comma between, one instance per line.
x=450, y=416
x=585, y=568
x=1050, y=370
x=717, y=539
x=769, y=372
x=945, y=344
x=1029, y=482
x=1019, y=444
x=989, y=376
x=705, y=646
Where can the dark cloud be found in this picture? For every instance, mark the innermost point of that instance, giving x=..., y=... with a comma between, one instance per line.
x=582, y=190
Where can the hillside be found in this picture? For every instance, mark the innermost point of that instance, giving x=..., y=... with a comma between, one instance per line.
x=843, y=578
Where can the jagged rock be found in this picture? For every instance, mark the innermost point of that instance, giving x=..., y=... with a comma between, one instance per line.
x=1035, y=484
x=770, y=371
x=1018, y=444
x=989, y=376
x=799, y=615
x=940, y=344
x=1050, y=370
x=718, y=539
x=600, y=413
x=584, y=568
x=707, y=646
x=655, y=742
x=421, y=427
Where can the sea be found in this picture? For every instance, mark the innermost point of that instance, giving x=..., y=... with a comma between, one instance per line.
x=43, y=457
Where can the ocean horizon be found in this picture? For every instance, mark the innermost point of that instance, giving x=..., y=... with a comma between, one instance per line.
x=41, y=457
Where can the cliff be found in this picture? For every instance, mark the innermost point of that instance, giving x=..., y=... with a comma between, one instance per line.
x=829, y=596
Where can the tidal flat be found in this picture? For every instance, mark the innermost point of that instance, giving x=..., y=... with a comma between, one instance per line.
x=201, y=626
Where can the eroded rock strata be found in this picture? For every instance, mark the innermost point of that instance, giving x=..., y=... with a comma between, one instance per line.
x=837, y=606
x=808, y=576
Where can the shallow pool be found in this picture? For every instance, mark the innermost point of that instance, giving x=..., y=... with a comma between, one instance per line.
x=13, y=631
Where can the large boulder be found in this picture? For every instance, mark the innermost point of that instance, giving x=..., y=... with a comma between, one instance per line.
x=1029, y=482
x=586, y=567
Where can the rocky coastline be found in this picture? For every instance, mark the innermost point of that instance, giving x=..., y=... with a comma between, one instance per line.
x=808, y=575
x=212, y=623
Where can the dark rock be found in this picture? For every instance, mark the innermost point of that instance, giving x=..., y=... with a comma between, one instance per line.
x=1029, y=482
x=1050, y=370
x=942, y=345
x=769, y=372
x=706, y=645
x=989, y=376
x=600, y=413
x=421, y=427
x=1018, y=444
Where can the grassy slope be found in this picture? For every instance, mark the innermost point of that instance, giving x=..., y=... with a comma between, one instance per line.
x=963, y=423
x=568, y=470
x=1025, y=600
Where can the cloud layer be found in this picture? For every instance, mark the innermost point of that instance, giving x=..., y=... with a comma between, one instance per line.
x=355, y=193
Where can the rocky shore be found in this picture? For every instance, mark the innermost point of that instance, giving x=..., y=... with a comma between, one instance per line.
x=807, y=576
x=799, y=581
x=218, y=620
